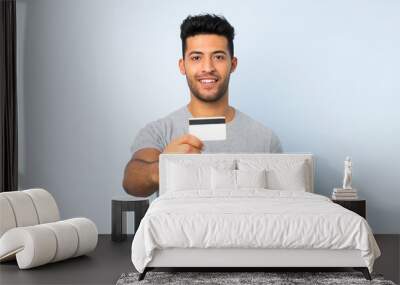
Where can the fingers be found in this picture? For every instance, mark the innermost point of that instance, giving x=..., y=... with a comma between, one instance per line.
x=182, y=148
x=187, y=148
x=184, y=144
x=191, y=140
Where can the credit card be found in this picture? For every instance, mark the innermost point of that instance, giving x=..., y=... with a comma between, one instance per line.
x=208, y=128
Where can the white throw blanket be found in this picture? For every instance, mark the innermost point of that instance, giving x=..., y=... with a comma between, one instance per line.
x=251, y=218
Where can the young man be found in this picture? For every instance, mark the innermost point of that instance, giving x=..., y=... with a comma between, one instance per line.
x=208, y=60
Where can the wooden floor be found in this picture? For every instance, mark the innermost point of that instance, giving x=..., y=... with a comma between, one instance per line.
x=102, y=266
x=110, y=260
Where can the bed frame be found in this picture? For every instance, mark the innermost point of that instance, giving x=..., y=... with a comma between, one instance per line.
x=260, y=259
x=248, y=259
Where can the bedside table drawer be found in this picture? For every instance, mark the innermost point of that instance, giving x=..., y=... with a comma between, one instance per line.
x=357, y=206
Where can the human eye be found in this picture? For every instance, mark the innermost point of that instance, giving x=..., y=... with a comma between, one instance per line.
x=195, y=57
x=220, y=56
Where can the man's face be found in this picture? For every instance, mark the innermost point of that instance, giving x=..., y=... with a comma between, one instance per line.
x=207, y=65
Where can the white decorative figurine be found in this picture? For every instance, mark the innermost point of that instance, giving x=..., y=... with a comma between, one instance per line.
x=347, y=192
x=347, y=173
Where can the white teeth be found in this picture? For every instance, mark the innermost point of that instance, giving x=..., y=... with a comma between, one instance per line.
x=207, y=81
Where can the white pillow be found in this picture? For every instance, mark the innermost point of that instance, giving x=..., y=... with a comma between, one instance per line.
x=182, y=177
x=294, y=178
x=281, y=174
x=189, y=175
x=251, y=178
x=228, y=179
x=223, y=179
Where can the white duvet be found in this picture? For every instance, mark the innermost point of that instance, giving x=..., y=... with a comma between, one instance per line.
x=251, y=218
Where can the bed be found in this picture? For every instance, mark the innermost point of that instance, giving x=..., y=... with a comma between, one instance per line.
x=245, y=211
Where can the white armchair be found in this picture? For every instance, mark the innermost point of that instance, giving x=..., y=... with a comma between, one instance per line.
x=32, y=233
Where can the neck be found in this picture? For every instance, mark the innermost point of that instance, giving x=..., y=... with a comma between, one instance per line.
x=220, y=108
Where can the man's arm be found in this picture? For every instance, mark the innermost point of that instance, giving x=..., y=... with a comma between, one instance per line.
x=141, y=173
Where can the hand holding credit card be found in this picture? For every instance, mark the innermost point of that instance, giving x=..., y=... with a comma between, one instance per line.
x=208, y=128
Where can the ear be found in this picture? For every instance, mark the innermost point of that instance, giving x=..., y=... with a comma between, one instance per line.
x=234, y=64
x=182, y=66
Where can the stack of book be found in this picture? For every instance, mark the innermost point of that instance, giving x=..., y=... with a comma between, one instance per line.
x=344, y=194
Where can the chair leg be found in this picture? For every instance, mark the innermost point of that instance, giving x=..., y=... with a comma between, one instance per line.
x=364, y=271
x=118, y=221
x=143, y=274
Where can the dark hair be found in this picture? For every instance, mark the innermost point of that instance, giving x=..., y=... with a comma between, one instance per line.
x=207, y=24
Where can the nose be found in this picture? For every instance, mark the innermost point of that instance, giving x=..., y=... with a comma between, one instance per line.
x=208, y=65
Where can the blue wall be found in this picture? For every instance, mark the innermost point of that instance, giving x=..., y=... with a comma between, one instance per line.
x=323, y=74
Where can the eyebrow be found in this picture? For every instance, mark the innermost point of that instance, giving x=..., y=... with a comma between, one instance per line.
x=199, y=52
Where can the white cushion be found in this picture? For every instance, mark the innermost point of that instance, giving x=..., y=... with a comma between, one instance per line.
x=183, y=177
x=45, y=205
x=223, y=179
x=251, y=178
x=87, y=232
x=245, y=161
x=7, y=220
x=228, y=179
x=31, y=233
x=27, y=208
x=23, y=208
x=188, y=175
x=40, y=244
x=67, y=237
x=288, y=179
x=281, y=174
x=33, y=245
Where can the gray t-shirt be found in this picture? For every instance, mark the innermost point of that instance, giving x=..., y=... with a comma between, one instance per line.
x=243, y=134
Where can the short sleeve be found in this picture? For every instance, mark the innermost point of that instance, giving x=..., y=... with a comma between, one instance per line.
x=149, y=137
x=275, y=146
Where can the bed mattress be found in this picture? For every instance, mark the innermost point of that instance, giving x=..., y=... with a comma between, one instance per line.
x=250, y=219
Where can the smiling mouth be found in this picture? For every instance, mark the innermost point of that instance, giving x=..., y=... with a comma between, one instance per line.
x=208, y=82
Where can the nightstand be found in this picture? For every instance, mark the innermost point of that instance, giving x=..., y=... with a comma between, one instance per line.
x=119, y=206
x=357, y=206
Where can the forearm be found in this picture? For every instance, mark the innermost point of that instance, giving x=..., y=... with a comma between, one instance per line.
x=141, y=177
